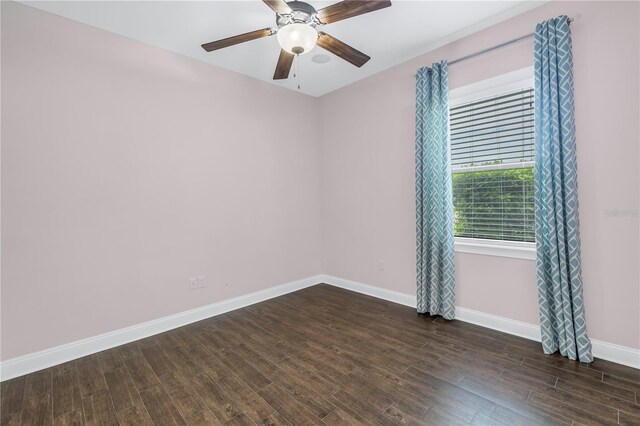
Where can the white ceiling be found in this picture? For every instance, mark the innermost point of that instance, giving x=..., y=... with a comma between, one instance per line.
x=390, y=36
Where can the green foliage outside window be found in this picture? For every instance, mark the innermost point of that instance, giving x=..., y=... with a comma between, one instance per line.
x=494, y=204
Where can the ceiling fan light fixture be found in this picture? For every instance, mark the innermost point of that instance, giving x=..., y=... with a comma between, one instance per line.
x=297, y=38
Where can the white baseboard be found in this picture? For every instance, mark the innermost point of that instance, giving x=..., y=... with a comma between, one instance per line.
x=49, y=357
x=57, y=355
x=604, y=350
x=616, y=353
x=370, y=290
x=494, y=322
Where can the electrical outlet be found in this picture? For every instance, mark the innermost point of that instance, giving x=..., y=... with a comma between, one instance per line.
x=201, y=283
x=380, y=265
x=193, y=284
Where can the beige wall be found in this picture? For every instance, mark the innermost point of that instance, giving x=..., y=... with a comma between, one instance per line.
x=128, y=169
x=368, y=171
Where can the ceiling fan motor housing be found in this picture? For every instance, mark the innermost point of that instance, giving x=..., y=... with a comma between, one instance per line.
x=301, y=13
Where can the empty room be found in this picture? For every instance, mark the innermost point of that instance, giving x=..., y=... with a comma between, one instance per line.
x=357, y=212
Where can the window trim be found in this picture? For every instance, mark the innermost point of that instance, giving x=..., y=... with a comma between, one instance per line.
x=501, y=248
x=494, y=86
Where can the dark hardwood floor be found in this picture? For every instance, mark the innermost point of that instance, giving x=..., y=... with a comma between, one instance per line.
x=325, y=356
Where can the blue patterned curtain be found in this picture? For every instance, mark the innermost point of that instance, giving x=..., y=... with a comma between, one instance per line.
x=562, y=320
x=434, y=201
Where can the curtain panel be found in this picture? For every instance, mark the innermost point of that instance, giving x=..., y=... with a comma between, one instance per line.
x=559, y=278
x=434, y=201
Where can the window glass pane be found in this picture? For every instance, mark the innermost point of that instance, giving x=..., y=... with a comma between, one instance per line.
x=494, y=204
x=492, y=154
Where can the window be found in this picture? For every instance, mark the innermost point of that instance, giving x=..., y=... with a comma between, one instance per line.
x=492, y=158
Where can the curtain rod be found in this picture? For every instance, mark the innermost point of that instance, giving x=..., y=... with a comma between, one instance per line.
x=498, y=46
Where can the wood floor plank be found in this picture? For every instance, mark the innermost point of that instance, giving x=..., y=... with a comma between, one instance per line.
x=65, y=368
x=622, y=383
x=73, y=418
x=454, y=369
x=628, y=419
x=98, y=409
x=565, y=364
x=66, y=394
x=111, y=359
x=256, y=408
x=90, y=376
x=140, y=371
x=319, y=358
x=287, y=406
x=37, y=410
x=211, y=340
x=183, y=395
x=122, y=389
x=11, y=397
x=511, y=402
x=529, y=376
x=324, y=382
x=12, y=419
x=449, y=397
x=215, y=398
x=240, y=420
x=203, y=418
x=419, y=358
x=242, y=368
x=442, y=345
x=279, y=351
x=439, y=416
x=362, y=408
x=131, y=349
x=508, y=417
x=339, y=417
x=395, y=416
x=209, y=362
x=276, y=419
x=305, y=394
x=324, y=355
x=38, y=383
x=613, y=369
x=600, y=395
x=410, y=404
x=160, y=407
x=158, y=360
x=257, y=361
x=183, y=362
x=377, y=388
x=572, y=406
x=183, y=337
x=363, y=362
x=135, y=415
x=409, y=337
x=570, y=380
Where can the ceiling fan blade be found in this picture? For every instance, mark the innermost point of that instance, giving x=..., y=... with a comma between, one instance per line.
x=285, y=60
x=230, y=41
x=341, y=49
x=350, y=8
x=278, y=6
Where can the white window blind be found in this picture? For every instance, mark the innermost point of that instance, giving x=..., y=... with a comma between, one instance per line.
x=492, y=154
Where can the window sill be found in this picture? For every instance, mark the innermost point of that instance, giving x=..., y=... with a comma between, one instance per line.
x=513, y=249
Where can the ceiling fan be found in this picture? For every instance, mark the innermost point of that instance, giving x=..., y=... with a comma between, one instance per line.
x=297, y=31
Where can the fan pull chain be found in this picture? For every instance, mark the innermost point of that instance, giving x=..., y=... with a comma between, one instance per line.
x=296, y=74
